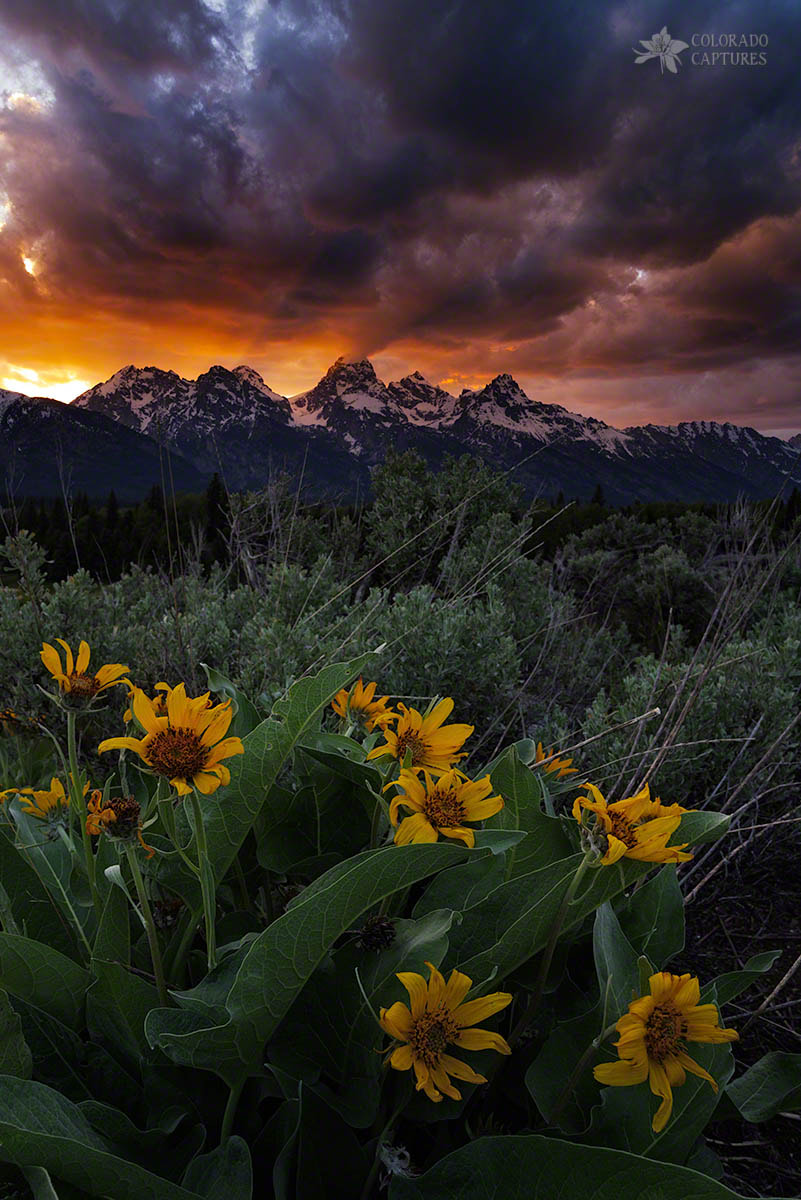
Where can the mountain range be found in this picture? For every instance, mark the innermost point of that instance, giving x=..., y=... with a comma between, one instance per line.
x=146, y=426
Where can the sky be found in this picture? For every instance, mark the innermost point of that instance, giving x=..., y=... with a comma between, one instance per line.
x=453, y=186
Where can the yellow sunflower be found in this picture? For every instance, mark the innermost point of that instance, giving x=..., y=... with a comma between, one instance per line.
x=186, y=744
x=560, y=765
x=441, y=806
x=438, y=1018
x=46, y=804
x=637, y=827
x=359, y=706
x=652, y=1037
x=73, y=676
x=118, y=817
x=431, y=743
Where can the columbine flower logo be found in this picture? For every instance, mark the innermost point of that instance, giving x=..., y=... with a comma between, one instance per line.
x=663, y=47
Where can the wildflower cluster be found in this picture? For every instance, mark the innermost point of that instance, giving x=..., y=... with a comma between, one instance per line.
x=412, y=905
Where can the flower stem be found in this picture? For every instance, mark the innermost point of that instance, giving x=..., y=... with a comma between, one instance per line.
x=150, y=927
x=184, y=946
x=396, y=1112
x=577, y=1072
x=548, y=952
x=207, y=887
x=230, y=1109
x=78, y=803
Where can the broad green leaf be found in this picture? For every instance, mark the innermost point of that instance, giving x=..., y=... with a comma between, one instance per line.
x=464, y=886
x=615, y=963
x=44, y=977
x=523, y=796
x=653, y=917
x=701, y=826
x=40, y=1128
x=330, y=1162
x=117, y=1004
x=496, y=1168
x=282, y=959
x=729, y=986
x=342, y=1038
x=55, y=866
x=553, y=1067
x=15, y=1054
x=71, y=1065
x=113, y=938
x=245, y=715
x=35, y=913
x=772, y=1085
x=513, y=922
x=172, y=1143
x=225, y=1172
x=229, y=814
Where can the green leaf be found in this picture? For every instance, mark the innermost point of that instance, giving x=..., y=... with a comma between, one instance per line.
x=246, y=716
x=615, y=963
x=772, y=1085
x=44, y=977
x=15, y=1054
x=34, y=911
x=225, y=1172
x=163, y=1143
x=729, y=986
x=514, y=921
x=282, y=959
x=50, y=858
x=331, y=1164
x=701, y=826
x=343, y=1038
x=230, y=813
x=523, y=797
x=117, y=1004
x=464, y=886
x=551, y=1070
x=653, y=917
x=40, y=1128
x=495, y=1168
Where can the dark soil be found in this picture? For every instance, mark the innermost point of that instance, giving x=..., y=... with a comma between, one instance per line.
x=751, y=905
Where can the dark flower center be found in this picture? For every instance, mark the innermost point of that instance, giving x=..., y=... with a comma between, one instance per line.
x=82, y=685
x=430, y=1034
x=377, y=933
x=622, y=829
x=126, y=813
x=663, y=1032
x=177, y=753
x=409, y=740
x=444, y=809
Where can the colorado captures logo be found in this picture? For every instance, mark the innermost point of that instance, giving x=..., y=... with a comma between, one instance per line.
x=663, y=47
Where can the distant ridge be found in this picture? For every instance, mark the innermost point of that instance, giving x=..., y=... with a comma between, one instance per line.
x=231, y=421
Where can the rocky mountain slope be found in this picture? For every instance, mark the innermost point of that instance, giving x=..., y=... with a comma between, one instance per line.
x=231, y=421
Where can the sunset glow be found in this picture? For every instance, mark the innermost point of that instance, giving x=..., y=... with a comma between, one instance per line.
x=162, y=203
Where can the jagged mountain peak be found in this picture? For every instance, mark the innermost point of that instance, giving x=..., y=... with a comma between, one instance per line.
x=350, y=369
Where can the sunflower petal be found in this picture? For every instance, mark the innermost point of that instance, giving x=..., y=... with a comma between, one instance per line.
x=660, y=1086
x=417, y=988
x=478, y=1010
x=82, y=662
x=481, y=1039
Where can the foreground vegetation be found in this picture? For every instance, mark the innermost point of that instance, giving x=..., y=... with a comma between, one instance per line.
x=226, y=898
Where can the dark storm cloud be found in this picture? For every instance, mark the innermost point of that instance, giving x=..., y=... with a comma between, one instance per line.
x=431, y=170
x=142, y=35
